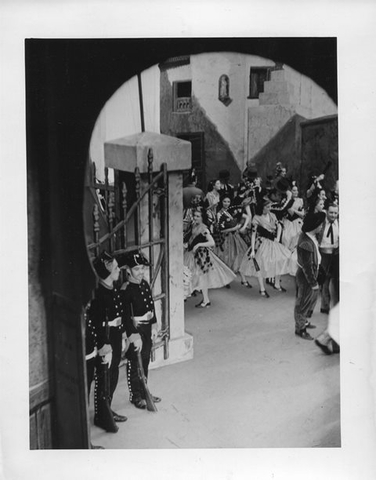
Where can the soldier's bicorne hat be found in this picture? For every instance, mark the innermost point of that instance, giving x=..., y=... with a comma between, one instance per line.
x=132, y=259
x=102, y=265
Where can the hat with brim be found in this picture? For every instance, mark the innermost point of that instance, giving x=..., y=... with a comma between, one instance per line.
x=102, y=265
x=132, y=259
x=252, y=170
x=224, y=174
x=312, y=221
x=282, y=185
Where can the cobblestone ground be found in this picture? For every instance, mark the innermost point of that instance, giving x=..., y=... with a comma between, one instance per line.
x=252, y=383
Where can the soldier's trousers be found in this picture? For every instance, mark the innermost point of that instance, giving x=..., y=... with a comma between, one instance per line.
x=135, y=388
x=103, y=417
x=115, y=340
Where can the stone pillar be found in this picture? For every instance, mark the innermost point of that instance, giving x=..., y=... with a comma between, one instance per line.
x=126, y=154
x=181, y=343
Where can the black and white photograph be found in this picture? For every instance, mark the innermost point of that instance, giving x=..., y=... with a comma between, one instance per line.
x=197, y=258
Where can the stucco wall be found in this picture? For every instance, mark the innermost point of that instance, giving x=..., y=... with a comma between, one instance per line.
x=245, y=125
x=309, y=100
x=217, y=152
x=229, y=120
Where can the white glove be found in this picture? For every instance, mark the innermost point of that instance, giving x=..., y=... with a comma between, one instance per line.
x=137, y=344
x=107, y=359
x=154, y=333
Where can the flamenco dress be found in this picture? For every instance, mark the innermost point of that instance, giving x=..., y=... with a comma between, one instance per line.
x=232, y=247
x=272, y=258
x=208, y=271
x=292, y=226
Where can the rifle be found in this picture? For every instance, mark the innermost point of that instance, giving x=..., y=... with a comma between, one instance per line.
x=105, y=367
x=150, y=405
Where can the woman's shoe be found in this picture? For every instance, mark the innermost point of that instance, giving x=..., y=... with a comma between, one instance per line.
x=203, y=305
x=264, y=293
x=246, y=284
x=156, y=399
x=280, y=289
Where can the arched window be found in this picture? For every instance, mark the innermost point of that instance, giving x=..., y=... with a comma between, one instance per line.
x=224, y=89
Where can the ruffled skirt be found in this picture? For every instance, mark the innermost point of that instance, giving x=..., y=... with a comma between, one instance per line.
x=273, y=259
x=291, y=232
x=215, y=274
x=232, y=251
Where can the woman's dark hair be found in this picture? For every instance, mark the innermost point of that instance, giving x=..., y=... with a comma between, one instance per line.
x=261, y=204
x=220, y=203
x=313, y=201
x=211, y=184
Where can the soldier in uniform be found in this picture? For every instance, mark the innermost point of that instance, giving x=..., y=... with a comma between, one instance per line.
x=139, y=308
x=112, y=329
x=95, y=365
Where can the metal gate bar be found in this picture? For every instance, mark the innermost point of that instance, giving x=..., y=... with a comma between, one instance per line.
x=157, y=185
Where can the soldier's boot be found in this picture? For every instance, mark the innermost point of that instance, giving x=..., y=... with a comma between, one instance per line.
x=134, y=385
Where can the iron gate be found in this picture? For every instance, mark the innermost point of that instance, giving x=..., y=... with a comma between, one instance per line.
x=134, y=202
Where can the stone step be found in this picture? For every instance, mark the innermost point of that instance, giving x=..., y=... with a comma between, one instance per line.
x=277, y=76
x=274, y=99
x=277, y=87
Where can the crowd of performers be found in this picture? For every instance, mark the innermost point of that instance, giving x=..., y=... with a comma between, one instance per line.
x=263, y=229
x=258, y=229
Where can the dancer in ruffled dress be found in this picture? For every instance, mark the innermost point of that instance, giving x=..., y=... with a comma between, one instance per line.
x=231, y=247
x=195, y=202
x=208, y=271
x=266, y=257
x=292, y=223
x=211, y=201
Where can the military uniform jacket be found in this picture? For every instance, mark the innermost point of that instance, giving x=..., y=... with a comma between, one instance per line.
x=90, y=334
x=138, y=301
x=107, y=305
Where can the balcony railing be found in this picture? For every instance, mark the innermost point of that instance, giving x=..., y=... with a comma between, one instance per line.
x=183, y=104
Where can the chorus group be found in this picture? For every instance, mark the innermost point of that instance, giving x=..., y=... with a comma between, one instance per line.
x=264, y=228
